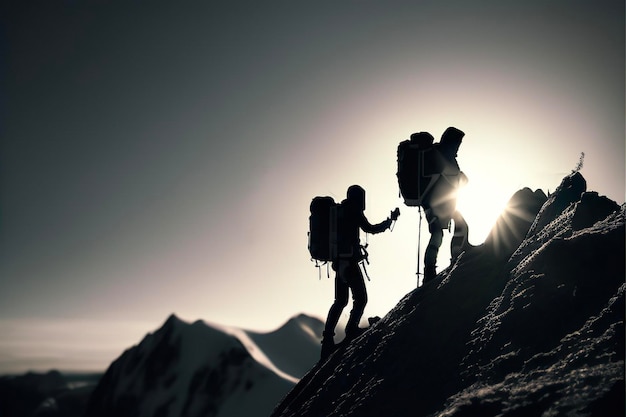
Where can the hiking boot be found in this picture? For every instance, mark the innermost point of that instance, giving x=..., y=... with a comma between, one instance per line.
x=373, y=320
x=430, y=273
x=328, y=347
x=354, y=332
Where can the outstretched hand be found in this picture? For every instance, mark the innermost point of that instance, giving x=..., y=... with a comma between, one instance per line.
x=395, y=214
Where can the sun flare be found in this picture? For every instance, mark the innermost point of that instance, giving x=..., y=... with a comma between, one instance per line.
x=481, y=203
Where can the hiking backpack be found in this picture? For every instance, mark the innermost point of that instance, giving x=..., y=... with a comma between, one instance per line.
x=423, y=166
x=327, y=237
x=323, y=229
x=413, y=175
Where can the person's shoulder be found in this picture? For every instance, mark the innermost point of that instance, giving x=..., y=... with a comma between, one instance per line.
x=351, y=209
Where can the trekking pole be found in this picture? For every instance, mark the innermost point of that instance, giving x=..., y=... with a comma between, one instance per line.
x=394, y=216
x=419, y=243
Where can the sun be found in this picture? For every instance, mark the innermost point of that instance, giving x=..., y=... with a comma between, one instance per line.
x=481, y=203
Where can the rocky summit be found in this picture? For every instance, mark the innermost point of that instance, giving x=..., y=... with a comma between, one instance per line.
x=530, y=323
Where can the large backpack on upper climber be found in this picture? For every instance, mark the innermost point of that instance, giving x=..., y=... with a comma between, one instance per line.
x=414, y=167
x=424, y=167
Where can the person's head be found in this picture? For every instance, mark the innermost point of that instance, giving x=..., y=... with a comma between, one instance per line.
x=450, y=141
x=356, y=196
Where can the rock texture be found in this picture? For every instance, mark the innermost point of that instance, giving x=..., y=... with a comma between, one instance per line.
x=531, y=323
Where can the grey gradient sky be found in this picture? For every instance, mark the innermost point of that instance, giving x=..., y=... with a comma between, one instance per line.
x=160, y=157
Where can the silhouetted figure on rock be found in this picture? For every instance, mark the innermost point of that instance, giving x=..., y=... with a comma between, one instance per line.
x=440, y=203
x=348, y=275
x=429, y=176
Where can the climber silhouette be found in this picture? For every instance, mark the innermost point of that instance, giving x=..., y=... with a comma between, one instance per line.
x=440, y=203
x=429, y=176
x=348, y=275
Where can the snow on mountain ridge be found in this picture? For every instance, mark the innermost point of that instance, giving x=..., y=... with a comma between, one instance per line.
x=175, y=343
x=197, y=369
x=296, y=357
x=258, y=354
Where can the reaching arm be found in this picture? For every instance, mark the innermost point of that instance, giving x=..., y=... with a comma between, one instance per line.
x=373, y=228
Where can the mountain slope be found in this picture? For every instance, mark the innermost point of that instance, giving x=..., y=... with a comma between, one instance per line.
x=294, y=347
x=198, y=370
x=536, y=332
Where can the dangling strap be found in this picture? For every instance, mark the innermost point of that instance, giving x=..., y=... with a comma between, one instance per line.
x=365, y=253
x=419, y=241
x=319, y=265
x=365, y=260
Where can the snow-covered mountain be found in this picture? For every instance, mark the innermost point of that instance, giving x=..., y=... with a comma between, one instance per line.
x=202, y=370
x=531, y=323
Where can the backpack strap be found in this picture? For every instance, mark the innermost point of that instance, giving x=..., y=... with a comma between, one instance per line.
x=364, y=259
x=362, y=263
x=319, y=265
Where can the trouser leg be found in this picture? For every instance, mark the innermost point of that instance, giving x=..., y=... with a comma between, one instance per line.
x=359, y=299
x=432, y=250
x=341, y=300
x=459, y=239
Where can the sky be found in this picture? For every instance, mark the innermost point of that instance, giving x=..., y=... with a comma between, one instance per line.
x=160, y=157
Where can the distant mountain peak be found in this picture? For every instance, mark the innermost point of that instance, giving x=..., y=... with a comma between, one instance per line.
x=199, y=369
x=174, y=320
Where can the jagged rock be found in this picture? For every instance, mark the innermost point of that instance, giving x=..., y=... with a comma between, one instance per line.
x=568, y=192
x=591, y=209
x=511, y=227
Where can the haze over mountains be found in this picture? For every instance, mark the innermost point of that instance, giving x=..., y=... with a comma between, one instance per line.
x=180, y=369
